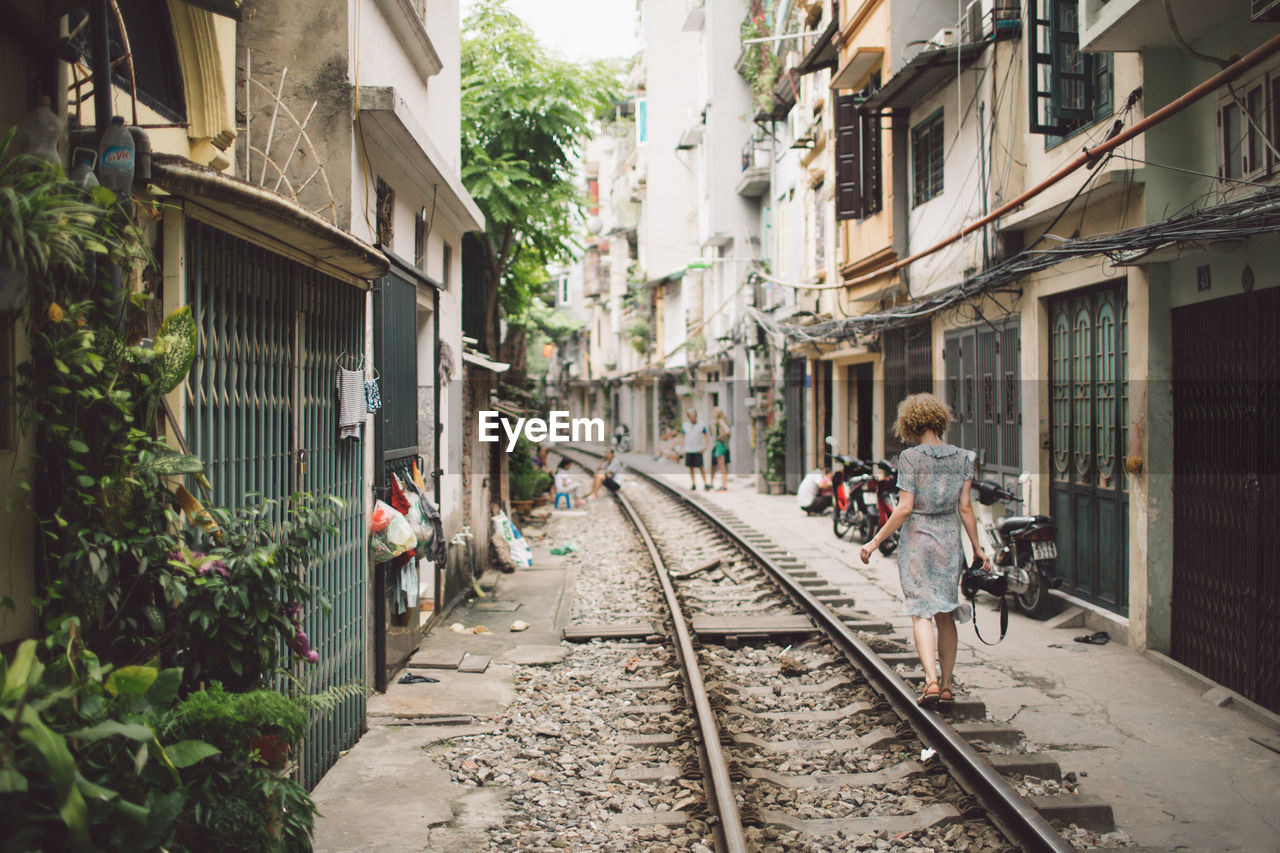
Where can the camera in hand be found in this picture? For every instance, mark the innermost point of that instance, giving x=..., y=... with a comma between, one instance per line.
x=974, y=580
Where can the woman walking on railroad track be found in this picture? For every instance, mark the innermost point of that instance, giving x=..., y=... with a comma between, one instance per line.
x=933, y=485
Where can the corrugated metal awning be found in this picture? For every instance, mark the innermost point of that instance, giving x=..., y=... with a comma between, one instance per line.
x=277, y=222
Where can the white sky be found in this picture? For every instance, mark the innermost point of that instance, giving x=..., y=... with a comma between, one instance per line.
x=580, y=29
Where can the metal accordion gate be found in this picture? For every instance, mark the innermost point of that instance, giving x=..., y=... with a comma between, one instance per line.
x=1226, y=492
x=262, y=415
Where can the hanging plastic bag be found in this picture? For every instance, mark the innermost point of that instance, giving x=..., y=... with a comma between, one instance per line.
x=390, y=533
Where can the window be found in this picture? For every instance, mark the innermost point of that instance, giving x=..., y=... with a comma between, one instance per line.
x=562, y=287
x=384, y=205
x=927, y=158
x=446, y=266
x=420, y=239
x=1069, y=89
x=857, y=155
x=1243, y=120
x=642, y=121
x=154, y=54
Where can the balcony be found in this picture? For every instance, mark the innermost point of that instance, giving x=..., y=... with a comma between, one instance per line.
x=1124, y=25
x=755, y=178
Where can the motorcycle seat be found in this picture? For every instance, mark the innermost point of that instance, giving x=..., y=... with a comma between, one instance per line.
x=1014, y=523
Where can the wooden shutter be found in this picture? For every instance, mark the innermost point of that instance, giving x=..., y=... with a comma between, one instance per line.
x=870, y=132
x=848, y=177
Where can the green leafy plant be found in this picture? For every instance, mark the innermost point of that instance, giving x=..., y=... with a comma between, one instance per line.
x=760, y=63
x=47, y=223
x=775, y=449
x=241, y=799
x=527, y=480
x=240, y=593
x=640, y=335
x=83, y=763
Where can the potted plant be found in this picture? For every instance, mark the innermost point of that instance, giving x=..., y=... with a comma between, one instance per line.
x=47, y=223
x=775, y=457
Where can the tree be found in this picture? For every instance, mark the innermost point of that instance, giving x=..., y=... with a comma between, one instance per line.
x=524, y=113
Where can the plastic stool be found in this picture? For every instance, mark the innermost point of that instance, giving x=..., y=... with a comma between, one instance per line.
x=568, y=502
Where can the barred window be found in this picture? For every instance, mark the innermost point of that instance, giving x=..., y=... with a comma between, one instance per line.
x=927, y=158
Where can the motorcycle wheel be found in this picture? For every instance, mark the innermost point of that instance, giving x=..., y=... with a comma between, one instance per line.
x=1035, y=601
x=866, y=527
x=840, y=522
x=889, y=545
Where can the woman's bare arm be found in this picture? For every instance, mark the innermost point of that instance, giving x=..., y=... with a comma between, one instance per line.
x=970, y=522
x=906, y=504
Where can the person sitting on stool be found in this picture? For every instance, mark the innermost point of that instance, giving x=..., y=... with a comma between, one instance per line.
x=814, y=494
x=565, y=485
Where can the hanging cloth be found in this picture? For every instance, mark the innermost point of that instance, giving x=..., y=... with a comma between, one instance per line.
x=372, y=396
x=352, y=405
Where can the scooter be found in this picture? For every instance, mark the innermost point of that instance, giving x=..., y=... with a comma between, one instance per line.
x=622, y=439
x=885, y=479
x=853, y=497
x=1024, y=547
x=864, y=496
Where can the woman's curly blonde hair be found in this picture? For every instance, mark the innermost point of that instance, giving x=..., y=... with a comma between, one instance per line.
x=918, y=414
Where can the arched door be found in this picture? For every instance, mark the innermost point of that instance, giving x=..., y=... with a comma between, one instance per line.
x=1089, y=498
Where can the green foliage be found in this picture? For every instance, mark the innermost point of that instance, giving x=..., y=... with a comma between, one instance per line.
x=47, y=223
x=239, y=799
x=641, y=336
x=240, y=596
x=81, y=758
x=524, y=113
x=231, y=721
x=552, y=323
x=527, y=480
x=775, y=449
x=760, y=63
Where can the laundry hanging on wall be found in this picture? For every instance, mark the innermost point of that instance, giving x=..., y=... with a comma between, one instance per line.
x=352, y=403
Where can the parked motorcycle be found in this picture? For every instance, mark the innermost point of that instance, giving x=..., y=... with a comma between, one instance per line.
x=1024, y=547
x=853, y=498
x=863, y=496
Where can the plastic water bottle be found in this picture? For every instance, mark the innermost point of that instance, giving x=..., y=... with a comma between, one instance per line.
x=115, y=158
x=82, y=160
x=43, y=131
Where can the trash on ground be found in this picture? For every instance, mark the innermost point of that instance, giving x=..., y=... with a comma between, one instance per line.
x=519, y=625
x=459, y=628
x=566, y=548
x=480, y=629
x=414, y=678
x=926, y=754
x=1098, y=638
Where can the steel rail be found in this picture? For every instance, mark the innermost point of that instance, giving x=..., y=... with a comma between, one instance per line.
x=1012, y=814
x=716, y=766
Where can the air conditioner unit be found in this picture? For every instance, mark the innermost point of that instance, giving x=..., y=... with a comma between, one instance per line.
x=971, y=29
x=946, y=37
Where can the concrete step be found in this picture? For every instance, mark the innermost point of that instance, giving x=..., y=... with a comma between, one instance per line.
x=1083, y=810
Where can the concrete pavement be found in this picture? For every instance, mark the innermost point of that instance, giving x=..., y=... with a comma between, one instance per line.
x=1180, y=771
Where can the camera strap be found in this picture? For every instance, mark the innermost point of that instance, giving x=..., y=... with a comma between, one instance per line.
x=1004, y=618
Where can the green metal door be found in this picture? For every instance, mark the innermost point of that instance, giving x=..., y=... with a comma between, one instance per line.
x=1088, y=417
x=262, y=416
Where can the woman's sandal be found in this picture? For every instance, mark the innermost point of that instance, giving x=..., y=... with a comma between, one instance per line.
x=946, y=699
x=930, y=695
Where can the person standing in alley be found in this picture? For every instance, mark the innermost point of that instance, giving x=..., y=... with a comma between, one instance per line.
x=695, y=442
x=720, y=451
x=934, y=479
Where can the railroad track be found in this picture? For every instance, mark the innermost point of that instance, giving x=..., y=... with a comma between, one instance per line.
x=800, y=724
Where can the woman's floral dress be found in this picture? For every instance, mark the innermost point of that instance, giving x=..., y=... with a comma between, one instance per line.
x=930, y=554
